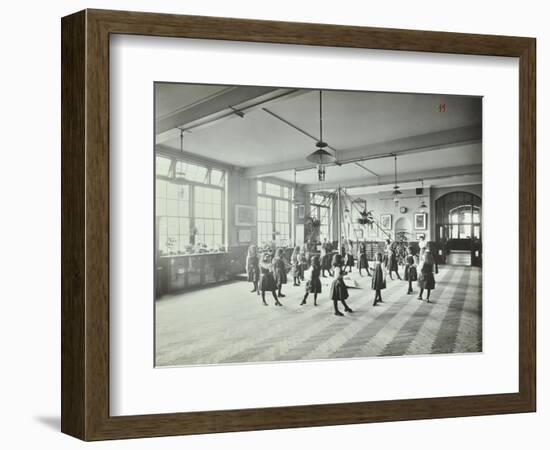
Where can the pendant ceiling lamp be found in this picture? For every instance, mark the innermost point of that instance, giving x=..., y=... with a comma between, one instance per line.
x=295, y=197
x=396, y=192
x=320, y=156
x=423, y=205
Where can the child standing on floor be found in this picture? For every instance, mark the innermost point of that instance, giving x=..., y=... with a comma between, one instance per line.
x=363, y=260
x=303, y=259
x=337, y=263
x=296, y=266
x=339, y=292
x=279, y=271
x=426, y=279
x=392, y=261
x=267, y=280
x=349, y=261
x=253, y=267
x=326, y=249
x=410, y=269
x=313, y=285
x=378, y=279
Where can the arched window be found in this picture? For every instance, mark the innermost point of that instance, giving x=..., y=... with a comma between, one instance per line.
x=465, y=221
x=458, y=216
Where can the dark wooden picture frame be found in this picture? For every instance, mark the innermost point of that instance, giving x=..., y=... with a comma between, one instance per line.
x=424, y=221
x=386, y=222
x=85, y=224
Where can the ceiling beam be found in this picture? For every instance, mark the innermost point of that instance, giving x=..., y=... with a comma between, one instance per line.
x=409, y=145
x=409, y=177
x=228, y=103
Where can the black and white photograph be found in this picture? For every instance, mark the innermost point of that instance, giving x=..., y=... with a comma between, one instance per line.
x=386, y=221
x=287, y=218
x=420, y=221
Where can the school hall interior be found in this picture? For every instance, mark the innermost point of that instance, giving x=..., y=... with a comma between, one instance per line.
x=277, y=168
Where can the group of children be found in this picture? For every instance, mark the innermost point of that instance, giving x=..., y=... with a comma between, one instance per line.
x=268, y=272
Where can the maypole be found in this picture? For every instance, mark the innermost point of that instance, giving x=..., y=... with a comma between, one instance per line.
x=373, y=221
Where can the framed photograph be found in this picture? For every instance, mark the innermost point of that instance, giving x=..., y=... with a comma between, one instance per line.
x=386, y=221
x=420, y=221
x=245, y=236
x=160, y=149
x=301, y=211
x=245, y=215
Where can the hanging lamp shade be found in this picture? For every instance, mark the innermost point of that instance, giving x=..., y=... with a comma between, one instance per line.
x=295, y=197
x=396, y=190
x=320, y=156
x=423, y=205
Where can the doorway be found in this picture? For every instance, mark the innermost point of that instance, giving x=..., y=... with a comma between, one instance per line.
x=458, y=228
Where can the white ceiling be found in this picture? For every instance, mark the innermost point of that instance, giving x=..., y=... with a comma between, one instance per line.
x=351, y=120
x=172, y=97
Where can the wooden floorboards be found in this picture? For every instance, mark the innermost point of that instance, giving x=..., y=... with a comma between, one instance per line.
x=228, y=324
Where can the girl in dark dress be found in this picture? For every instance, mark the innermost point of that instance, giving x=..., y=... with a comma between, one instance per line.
x=326, y=250
x=378, y=279
x=432, y=247
x=253, y=267
x=349, y=261
x=279, y=271
x=296, y=267
x=363, y=260
x=337, y=263
x=410, y=269
x=303, y=260
x=339, y=292
x=267, y=280
x=426, y=279
x=392, y=262
x=313, y=285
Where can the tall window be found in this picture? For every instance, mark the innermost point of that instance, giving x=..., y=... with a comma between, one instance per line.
x=320, y=209
x=209, y=216
x=189, y=206
x=274, y=213
x=172, y=210
x=265, y=221
x=465, y=222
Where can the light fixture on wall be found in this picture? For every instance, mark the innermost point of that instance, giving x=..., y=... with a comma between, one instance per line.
x=396, y=192
x=320, y=156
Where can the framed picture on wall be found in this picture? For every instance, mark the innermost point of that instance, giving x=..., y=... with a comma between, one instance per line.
x=114, y=64
x=245, y=215
x=301, y=211
x=420, y=221
x=386, y=221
